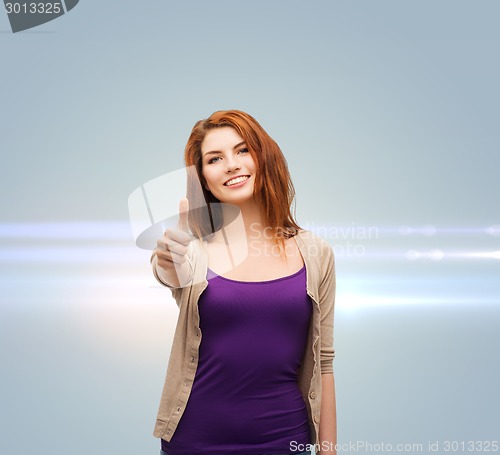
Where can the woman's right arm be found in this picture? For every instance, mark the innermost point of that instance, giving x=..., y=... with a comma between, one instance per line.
x=170, y=261
x=171, y=277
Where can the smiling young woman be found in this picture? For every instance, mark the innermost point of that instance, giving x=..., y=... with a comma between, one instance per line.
x=251, y=366
x=228, y=168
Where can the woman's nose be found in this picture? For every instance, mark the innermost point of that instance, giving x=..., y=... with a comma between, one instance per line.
x=232, y=164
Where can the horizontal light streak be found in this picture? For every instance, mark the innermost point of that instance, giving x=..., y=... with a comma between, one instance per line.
x=130, y=255
x=357, y=230
x=144, y=291
x=438, y=255
x=77, y=230
x=478, y=255
x=352, y=301
x=122, y=230
x=84, y=254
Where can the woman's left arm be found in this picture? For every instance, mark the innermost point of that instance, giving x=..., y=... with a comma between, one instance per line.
x=328, y=416
x=328, y=410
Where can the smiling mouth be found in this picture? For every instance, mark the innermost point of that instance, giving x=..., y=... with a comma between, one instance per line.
x=237, y=180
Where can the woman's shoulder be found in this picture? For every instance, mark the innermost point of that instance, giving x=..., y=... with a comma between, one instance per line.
x=318, y=251
x=311, y=238
x=316, y=248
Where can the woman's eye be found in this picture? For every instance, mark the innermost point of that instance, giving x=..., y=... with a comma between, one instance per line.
x=213, y=160
x=245, y=150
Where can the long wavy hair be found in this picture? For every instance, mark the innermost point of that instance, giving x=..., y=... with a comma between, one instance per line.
x=273, y=188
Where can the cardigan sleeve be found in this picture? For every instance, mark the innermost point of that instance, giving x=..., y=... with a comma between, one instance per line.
x=327, y=303
x=155, y=272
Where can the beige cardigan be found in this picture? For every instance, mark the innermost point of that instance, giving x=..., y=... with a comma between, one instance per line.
x=320, y=268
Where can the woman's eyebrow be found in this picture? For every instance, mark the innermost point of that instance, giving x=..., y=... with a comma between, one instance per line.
x=216, y=151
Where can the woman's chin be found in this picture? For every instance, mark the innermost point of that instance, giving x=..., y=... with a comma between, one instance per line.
x=243, y=197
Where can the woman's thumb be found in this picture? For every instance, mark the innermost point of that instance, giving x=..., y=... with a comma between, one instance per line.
x=183, y=223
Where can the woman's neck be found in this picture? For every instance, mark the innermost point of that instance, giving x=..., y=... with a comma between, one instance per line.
x=246, y=226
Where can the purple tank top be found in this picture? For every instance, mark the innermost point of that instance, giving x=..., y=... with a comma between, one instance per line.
x=245, y=397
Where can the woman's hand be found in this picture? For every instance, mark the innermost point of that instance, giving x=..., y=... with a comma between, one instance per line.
x=171, y=250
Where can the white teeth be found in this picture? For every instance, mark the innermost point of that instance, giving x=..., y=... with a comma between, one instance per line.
x=236, y=180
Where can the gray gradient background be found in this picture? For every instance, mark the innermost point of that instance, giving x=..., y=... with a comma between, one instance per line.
x=387, y=112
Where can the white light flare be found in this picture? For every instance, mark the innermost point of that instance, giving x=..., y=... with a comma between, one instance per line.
x=478, y=255
x=434, y=255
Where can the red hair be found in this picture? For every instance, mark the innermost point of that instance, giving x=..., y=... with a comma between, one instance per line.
x=273, y=189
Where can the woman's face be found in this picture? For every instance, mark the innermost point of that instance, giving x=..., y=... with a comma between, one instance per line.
x=228, y=166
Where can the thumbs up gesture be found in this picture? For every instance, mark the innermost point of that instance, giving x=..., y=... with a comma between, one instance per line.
x=171, y=250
